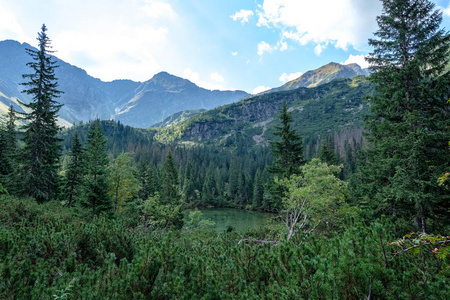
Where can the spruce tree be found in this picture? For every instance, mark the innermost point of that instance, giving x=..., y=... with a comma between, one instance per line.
x=288, y=157
x=8, y=154
x=326, y=152
x=75, y=171
x=96, y=183
x=147, y=179
x=258, y=190
x=288, y=149
x=406, y=126
x=170, y=193
x=42, y=145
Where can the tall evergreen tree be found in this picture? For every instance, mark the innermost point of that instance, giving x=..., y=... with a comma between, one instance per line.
x=406, y=126
x=42, y=146
x=258, y=190
x=326, y=152
x=8, y=154
x=96, y=184
x=288, y=150
x=147, y=179
x=288, y=157
x=170, y=193
x=75, y=171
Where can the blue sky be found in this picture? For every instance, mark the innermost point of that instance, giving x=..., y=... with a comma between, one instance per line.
x=250, y=45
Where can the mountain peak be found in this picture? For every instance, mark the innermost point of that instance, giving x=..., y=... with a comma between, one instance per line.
x=323, y=74
x=165, y=81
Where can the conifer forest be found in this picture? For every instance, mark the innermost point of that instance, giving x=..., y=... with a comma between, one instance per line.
x=102, y=210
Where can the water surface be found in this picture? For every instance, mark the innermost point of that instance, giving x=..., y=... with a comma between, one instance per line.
x=238, y=219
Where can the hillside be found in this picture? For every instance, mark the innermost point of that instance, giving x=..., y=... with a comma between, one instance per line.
x=85, y=98
x=165, y=94
x=322, y=75
x=334, y=108
x=178, y=117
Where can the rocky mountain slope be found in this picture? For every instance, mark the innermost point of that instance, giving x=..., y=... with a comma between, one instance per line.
x=178, y=117
x=334, y=108
x=165, y=94
x=85, y=98
x=322, y=75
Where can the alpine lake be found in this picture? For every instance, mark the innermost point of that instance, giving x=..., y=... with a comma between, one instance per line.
x=233, y=219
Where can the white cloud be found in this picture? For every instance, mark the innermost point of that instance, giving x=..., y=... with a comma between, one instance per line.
x=342, y=23
x=260, y=89
x=357, y=59
x=288, y=77
x=283, y=45
x=116, y=40
x=191, y=75
x=264, y=47
x=216, y=77
x=9, y=26
x=262, y=21
x=113, y=51
x=214, y=82
x=242, y=15
x=318, y=49
x=446, y=11
x=234, y=53
x=156, y=9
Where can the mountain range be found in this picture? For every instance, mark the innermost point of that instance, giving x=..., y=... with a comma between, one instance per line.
x=138, y=104
x=324, y=101
x=332, y=110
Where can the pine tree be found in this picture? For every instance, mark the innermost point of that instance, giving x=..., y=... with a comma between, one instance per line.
x=170, y=193
x=258, y=190
x=326, y=153
x=8, y=154
x=147, y=179
x=288, y=151
x=406, y=127
x=75, y=171
x=288, y=158
x=96, y=183
x=42, y=146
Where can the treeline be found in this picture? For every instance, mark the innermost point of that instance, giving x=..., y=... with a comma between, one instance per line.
x=208, y=175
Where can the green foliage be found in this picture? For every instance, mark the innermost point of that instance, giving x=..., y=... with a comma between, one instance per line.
x=288, y=149
x=327, y=153
x=122, y=181
x=422, y=244
x=3, y=191
x=313, y=198
x=50, y=249
x=406, y=127
x=96, y=180
x=196, y=222
x=73, y=183
x=40, y=155
x=170, y=193
x=9, y=162
x=162, y=216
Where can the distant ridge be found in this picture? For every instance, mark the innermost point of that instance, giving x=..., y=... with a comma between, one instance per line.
x=321, y=76
x=138, y=104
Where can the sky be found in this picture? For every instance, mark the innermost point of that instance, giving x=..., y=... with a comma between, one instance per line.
x=249, y=45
